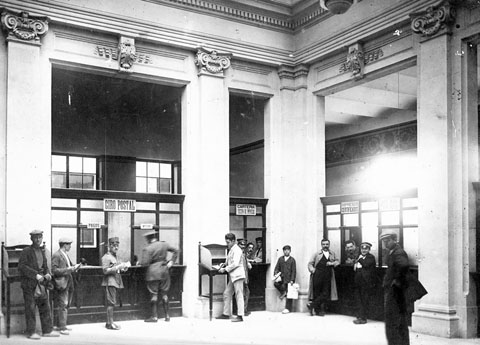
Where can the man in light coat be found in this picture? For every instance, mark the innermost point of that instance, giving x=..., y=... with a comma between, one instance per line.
x=234, y=266
x=62, y=269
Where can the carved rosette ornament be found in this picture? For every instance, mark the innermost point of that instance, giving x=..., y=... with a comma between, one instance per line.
x=127, y=54
x=21, y=26
x=211, y=61
x=436, y=18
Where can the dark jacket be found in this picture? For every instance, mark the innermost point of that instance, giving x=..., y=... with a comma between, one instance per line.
x=288, y=269
x=60, y=266
x=366, y=276
x=28, y=267
x=396, y=274
x=155, y=257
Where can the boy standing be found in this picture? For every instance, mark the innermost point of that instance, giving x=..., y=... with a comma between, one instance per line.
x=286, y=266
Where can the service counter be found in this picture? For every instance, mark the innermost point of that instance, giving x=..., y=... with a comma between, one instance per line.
x=88, y=304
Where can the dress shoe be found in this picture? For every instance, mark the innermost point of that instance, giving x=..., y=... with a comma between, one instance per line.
x=167, y=318
x=360, y=321
x=312, y=311
x=223, y=317
x=64, y=332
x=112, y=326
x=51, y=334
x=238, y=319
x=151, y=319
x=285, y=311
x=247, y=313
x=58, y=329
x=34, y=336
x=321, y=313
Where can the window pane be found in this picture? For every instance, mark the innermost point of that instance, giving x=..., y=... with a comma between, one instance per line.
x=59, y=163
x=369, y=205
x=88, y=238
x=75, y=164
x=92, y=217
x=64, y=217
x=153, y=169
x=165, y=170
x=142, y=169
x=370, y=219
x=350, y=219
x=144, y=218
x=254, y=222
x=169, y=207
x=410, y=244
x=89, y=165
x=236, y=222
x=334, y=237
x=59, y=180
x=390, y=218
x=333, y=208
x=412, y=202
x=75, y=181
x=141, y=185
x=410, y=217
x=333, y=221
x=60, y=202
x=88, y=181
x=58, y=233
x=145, y=205
x=165, y=185
x=152, y=186
x=172, y=237
x=167, y=220
x=85, y=203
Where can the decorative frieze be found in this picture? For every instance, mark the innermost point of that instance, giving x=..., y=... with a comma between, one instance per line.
x=434, y=20
x=126, y=54
x=24, y=27
x=366, y=145
x=211, y=62
x=357, y=59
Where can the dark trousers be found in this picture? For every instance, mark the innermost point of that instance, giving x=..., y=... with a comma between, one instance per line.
x=246, y=296
x=43, y=309
x=283, y=288
x=362, y=297
x=63, y=302
x=396, y=324
x=321, y=294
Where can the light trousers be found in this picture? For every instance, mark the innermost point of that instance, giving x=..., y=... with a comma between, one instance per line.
x=237, y=288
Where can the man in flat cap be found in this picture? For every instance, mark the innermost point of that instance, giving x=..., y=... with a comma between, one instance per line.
x=259, y=249
x=155, y=256
x=62, y=269
x=395, y=285
x=365, y=278
x=287, y=268
x=35, y=275
x=112, y=279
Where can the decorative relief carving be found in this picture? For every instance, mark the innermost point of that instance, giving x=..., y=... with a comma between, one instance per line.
x=362, y=146
x=127, y=53
x=367, y=58
x=22, y=26
x=355, y=62
x=124, y=54
x=211, y=61
x=434, y=19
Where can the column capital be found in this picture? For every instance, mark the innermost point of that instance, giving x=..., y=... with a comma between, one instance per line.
x=21, y=26
x=293, y=77
x=435, y=20
x=211, y=62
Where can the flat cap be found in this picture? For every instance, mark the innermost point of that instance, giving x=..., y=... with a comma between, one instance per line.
x=36, y=232
x=287, y=246
x=113, y=240
x=150, y=234
x=64, y=240
x=387, y=234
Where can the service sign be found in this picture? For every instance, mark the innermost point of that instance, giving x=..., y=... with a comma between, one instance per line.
x=119, y=205
x=349, y=207
x=146, y=226
x=246, y=210
x=94, y=226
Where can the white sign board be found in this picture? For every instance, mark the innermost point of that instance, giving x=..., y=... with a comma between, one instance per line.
x=246, y=210
x=119, y=205
x=146, y=226
x=94, y=226
x=349, y=207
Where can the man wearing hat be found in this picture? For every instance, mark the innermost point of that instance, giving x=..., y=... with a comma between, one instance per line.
x=155, y=256
x=112, y=280
x=62, y=269
x=259, y=250
x=242, y=243
x=395, y=284
x=287, y=268
x=365, y=278
x=34, y=272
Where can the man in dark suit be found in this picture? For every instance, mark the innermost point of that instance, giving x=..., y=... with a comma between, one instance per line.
x=395, y=285
x=154, y=256
x=34, y=272
x=287, y=267
x=365, y=278
x=62, y=269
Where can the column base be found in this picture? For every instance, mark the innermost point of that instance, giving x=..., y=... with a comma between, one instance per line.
x=437, y=320
x=273, y=301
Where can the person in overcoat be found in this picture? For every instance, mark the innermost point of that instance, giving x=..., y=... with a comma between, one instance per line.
x=154, y=256
x=35, y=274
x=62, y=269
x=322, y=279
x=365, y=279
x=287, y=268
x=395, y=285
x=112, y=279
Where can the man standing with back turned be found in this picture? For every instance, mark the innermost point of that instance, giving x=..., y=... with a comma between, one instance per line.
x=158, y=277
x=395, y=285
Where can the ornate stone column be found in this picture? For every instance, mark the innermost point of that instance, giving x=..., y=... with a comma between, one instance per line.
x=445, y=155
x=205, y=168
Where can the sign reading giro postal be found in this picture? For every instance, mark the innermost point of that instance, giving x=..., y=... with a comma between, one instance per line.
x=119, y=205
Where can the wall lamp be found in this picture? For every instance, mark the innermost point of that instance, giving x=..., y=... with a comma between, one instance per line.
x=336, y=6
